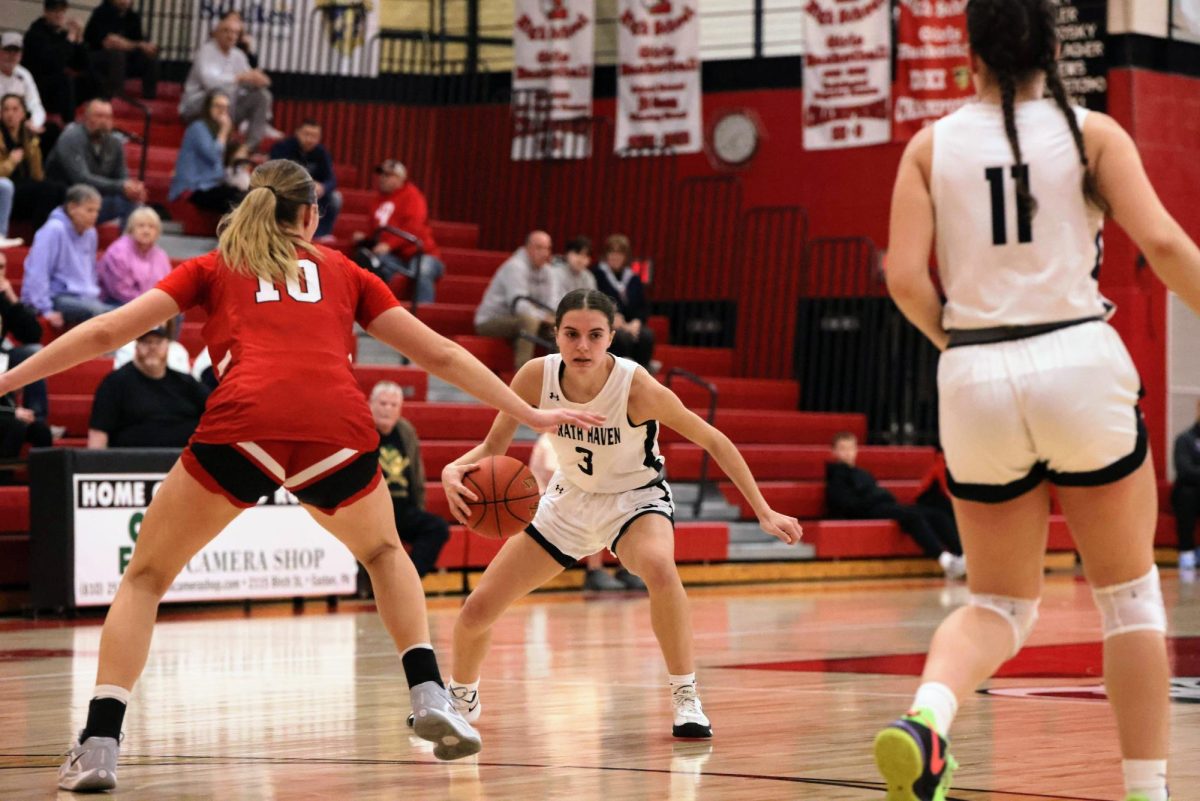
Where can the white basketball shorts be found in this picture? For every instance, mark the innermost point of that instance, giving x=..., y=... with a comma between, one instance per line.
x=571, y=524
x=1060, y=407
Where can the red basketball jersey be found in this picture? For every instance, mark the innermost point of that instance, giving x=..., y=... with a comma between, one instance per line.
x=282, y=352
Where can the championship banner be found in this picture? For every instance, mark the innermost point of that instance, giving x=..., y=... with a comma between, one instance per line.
x=273, y=550
x=847, y=55
x=291, y=37
x=933, y=71
x=658, y=75
x=553, y=45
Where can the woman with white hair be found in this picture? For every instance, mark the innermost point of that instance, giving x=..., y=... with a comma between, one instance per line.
x=134, y=263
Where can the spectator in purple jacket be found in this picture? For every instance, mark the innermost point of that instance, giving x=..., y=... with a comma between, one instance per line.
x=60, y=270
x=134, y=263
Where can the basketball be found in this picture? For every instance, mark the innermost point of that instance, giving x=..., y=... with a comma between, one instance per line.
x=508, y=497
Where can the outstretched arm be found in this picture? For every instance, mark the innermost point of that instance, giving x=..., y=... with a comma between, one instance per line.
x=649, y=399
x=97, y=336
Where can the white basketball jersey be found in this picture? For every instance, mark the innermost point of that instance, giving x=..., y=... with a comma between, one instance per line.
x=615, y=457
x=999, y=267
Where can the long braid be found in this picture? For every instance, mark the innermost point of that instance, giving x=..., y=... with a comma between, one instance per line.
x=1026, y=202
x=1091, y=190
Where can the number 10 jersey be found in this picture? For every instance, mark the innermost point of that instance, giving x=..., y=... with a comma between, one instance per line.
x=999, y=264
x=616, y=456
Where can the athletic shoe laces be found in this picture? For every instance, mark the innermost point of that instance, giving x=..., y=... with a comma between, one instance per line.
x=687, y=703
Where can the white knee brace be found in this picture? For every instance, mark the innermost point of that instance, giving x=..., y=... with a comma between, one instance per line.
x=1021, y=614
x=1133, y=606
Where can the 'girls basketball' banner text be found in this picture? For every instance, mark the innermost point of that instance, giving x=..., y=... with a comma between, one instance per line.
x=933, y=73
x=847, y=54
x=658, y=75
x=553, y=43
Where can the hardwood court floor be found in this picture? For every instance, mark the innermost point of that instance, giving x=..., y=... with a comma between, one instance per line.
x=312, y=706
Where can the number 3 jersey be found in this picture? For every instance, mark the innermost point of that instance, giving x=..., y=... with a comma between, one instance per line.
x=998, y=265
x=614, y=457
x=282, y=351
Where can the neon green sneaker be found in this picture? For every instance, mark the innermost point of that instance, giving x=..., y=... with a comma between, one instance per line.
x=914, y=759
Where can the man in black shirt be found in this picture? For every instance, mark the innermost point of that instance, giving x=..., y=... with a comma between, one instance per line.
x=55, y=55
x=145, y=405
x=119, y=48
x=400, y=461
x=1185, y=496
x=304, y=147
x=853, y=493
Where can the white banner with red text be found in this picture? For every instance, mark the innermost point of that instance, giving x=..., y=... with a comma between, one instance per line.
x=658, y=76
x=553, y=47
x=847, y=81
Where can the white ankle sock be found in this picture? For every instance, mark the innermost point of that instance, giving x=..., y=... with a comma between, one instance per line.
x=680, y=680
x=112, y=691
x=469, y=686
x=1146, y=776
x=938, y=699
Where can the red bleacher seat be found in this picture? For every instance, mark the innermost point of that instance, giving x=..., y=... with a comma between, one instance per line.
x=14, y=510
x=801, y=462
x=497, y=354
x=740, y=393
x=702, y=361
x=480, y=263
x=436, y=454
x=195, y=221
x=467, y=289
x=805, y=499
x=82, y=379
x=751, y=426
x=14, y=559
x=448, y=319
x=414, y=380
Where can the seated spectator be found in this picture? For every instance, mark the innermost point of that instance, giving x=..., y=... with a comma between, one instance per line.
x=853, y=493
x=572, y=268
x=505, y=310
x=57, y=58
x=219, y=65
x=90, y=153
x=16, y=80
x=134, y=263
x=1185, y=496
x=25, y=194
x=178, y=358
x=144, y=404
x=304, y=147
x=119, y=48
x=543, y=463
x=632, y=339
x=200, y=165
x=60, y=270
x=402, y=205
x=400, y=462
x=19, y=322
x=238, y=167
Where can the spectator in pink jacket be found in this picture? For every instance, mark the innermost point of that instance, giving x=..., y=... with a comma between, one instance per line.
x=134, y=263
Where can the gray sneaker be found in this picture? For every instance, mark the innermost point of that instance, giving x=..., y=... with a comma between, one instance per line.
x=630, y=581
x=600, y=580
x=435, y=719
x=90, y=766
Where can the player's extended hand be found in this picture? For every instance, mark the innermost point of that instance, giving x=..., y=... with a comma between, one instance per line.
x=545, y=421
x=457, y=492
x=781, y=527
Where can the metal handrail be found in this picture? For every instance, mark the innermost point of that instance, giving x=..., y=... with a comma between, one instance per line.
x=711, y=388
x=147, y=117
x=538, y=341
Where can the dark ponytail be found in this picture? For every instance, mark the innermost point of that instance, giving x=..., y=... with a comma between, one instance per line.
x=1017, y=38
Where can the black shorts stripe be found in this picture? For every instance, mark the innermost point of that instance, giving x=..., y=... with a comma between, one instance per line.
x=1115, y=471
x=625, y=526
x=559, y=556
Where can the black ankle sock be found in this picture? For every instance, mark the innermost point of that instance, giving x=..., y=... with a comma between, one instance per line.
x=420, y=665
x=105, y=716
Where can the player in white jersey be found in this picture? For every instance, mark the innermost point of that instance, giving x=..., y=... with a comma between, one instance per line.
x=610, y=492
x=1034, y=386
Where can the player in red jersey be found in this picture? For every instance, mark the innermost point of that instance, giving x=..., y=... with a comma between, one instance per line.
x=288, y=412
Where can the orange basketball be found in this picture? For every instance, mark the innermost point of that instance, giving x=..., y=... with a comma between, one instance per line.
x=508, y=497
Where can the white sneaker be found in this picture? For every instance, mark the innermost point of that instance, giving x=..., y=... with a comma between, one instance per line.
x=436, y=719
x=690, y=720
x=955, y=567
x=90, y=765
x=1187, y=560
x=465, y=701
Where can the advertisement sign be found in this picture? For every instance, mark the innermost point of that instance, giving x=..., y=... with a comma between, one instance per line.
x=658, y=76
x=553, y=45
x=1082, y=65
x=847, y=73
x=933, y=72
x=328, y=37
x=273, y=550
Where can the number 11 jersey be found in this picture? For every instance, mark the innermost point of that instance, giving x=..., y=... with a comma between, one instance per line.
x=1000, y=265
x=616, y=456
